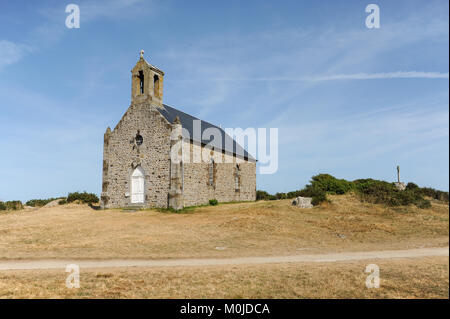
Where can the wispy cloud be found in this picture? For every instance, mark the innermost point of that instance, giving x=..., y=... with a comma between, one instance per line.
x=11, y=52
x=385, y=75
x=386, y=130
x=52, y=29
x=355, y=76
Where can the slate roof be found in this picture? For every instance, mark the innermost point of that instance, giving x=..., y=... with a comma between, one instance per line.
x=228, y=144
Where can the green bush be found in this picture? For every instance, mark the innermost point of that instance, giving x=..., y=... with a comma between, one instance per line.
x=280, y=196
x=262, y=195
x=369, y=190
x=381, y=192
x=2, y=206
x=423, y=203
x=433, y=193
x=84, y=197
x=293, y=194
x=213, y=202
x=319, y=198
x=318, y=195
x=14, y=205
x=62, y=201
x=412, y=186
x=331, y=185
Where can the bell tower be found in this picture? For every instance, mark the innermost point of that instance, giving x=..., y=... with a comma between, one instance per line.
x=146, y=83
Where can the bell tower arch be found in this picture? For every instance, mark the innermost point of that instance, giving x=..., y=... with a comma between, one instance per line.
x=146, y=83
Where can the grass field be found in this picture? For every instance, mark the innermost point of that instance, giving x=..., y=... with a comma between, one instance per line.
x=230, y=230
x=399, y=278
x=265, y=228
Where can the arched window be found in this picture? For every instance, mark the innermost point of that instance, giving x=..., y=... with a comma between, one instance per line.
x=156, y=85
x=141, y=82
x=211, y=173
x=237, y=179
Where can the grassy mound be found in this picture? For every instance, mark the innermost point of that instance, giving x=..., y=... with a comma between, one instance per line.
x=368, y=190
x=41, y=202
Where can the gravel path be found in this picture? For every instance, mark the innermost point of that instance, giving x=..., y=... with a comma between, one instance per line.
x=334, y=257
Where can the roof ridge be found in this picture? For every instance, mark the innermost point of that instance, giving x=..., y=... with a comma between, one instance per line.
x=195, y=117
x=169, y=112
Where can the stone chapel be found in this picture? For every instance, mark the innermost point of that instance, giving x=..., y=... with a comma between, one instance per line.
x=155, y=158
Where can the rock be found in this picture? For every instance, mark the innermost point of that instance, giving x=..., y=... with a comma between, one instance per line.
x=302, y=202
x=53, y=203
x=400, y=186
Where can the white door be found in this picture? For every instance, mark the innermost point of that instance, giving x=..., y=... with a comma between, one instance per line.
x=137, y=186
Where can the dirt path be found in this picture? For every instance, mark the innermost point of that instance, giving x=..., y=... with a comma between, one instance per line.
x=107, y=263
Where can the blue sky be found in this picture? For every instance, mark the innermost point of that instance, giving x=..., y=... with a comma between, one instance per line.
x=347, y=100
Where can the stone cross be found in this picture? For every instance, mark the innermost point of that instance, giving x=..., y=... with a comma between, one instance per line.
x=142, y=54
x=398, y=173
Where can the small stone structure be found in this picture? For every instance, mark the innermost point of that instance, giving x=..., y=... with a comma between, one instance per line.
x=302, y=202
x=399, y=185
x=150, y=159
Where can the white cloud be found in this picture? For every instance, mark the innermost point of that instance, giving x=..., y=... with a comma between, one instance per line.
x=52, y=29
x=11, y=52
x=355, y=76
x=385, y=75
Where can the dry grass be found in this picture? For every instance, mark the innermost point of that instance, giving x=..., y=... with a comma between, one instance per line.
x=241, y=229
x=399, y=278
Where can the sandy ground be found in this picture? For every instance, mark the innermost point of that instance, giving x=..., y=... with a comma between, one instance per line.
x=239, y=230
x=384, y=254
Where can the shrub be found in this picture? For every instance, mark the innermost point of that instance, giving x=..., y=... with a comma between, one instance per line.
x=433, y=193
x=213, y=202
x=331, y=184
x=370, y=190
x=84, y=197
x=280, y=196
x=411, y=186
x=423, y=203
x=374, y=191
x=2, y=206
x=293, y=194
x=318, y=195
x=62, y=201
x=262, y=195
x=14, y=205
x=381, y=192
x=319, y=198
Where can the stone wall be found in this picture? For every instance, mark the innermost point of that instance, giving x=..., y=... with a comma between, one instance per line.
x=122, y=155
x=196, y=187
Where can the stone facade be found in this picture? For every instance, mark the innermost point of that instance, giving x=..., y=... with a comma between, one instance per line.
x=121, y=155
x=144, y=141
x=233, y=179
